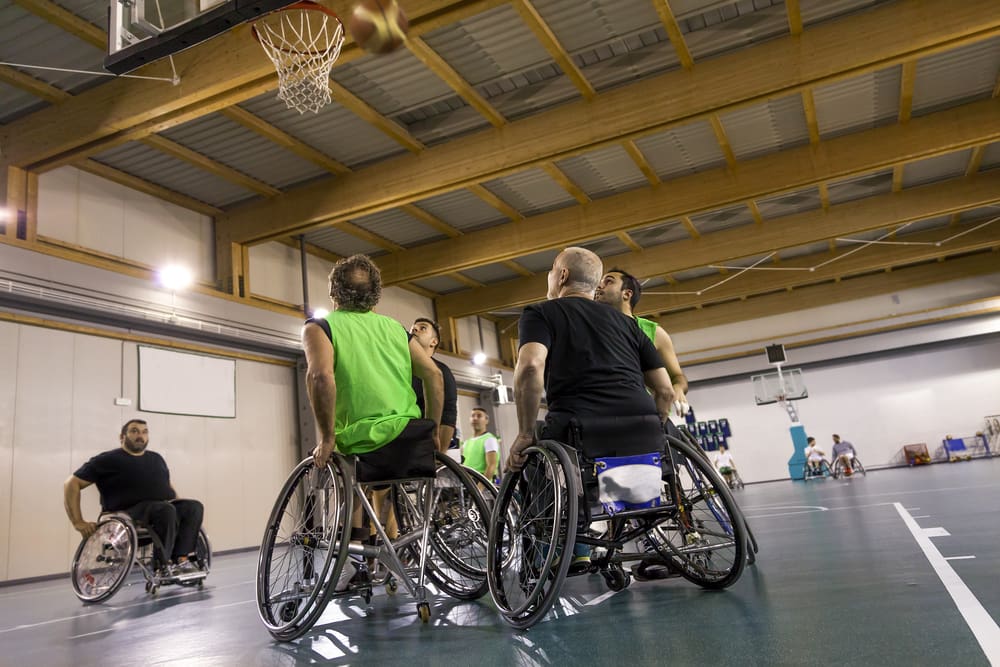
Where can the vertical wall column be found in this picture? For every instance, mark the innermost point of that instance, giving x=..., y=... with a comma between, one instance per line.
x=232, y=265
x=20, y=218
x=507, y=334
x=449, y=331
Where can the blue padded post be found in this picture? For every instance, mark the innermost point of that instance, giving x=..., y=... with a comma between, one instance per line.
x=797, y=462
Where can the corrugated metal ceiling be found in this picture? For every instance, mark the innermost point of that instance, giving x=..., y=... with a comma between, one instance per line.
x=340, y=242
x=765, y=128
x=956, y=76
x=682, y=150
x=815, y=11
x=399, y=227
x=230, y=143
x=660, y=233
x=789, y=203
x=334, y=131
x=15, y=103
x=157, y=167
x=858, y=103
x=860, y=187
x=490, y=273
x=586, y=24
x=942, y=167
x=462, y=210
x=393, y=83
x=538, y=262
x=991, y=156
x=603, y=172
x=440, y=284
x=725, y=218
x=732, y=25
x=531, y=192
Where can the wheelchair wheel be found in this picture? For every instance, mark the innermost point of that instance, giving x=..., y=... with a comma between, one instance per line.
x=529, y=555
x=458, y=530
x=705, y=538
x=103, y=560
x=858, y=468
x=304, y=548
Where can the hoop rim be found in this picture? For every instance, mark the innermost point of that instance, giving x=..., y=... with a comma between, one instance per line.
x=301, y=5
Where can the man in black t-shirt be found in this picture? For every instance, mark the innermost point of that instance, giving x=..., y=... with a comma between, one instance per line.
x=137, y=482
x=589, y=359
x=428, y=334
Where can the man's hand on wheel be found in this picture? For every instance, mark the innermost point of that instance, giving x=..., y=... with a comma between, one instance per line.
x=85, y=528
x=517, y=457
x=321, y=454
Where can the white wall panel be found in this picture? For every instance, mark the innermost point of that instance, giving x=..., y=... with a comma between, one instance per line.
x=83, y=209
x=468, y=337
x=275, y=272
x=8, y=370
x=42, y=436
x=405, y=306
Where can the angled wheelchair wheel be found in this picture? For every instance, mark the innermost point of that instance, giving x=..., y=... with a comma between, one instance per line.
x=858, y=468
x=705, y=538
x=458, y=529
x=304, y=548
x=529, y=554
x=203, y=557
x=103, y=560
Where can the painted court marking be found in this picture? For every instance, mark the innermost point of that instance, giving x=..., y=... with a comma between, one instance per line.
x=958, y=557
x=983, y=626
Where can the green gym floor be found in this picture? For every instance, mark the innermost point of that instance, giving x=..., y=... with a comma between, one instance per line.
x=844, y=576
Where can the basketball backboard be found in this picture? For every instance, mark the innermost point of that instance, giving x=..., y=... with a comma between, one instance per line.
x=144, y=31
x=788, y=385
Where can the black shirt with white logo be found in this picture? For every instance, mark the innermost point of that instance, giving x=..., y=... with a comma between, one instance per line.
x=125, y=480
x=596, y=359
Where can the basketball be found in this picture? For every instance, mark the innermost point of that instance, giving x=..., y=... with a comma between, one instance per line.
x=378, y=26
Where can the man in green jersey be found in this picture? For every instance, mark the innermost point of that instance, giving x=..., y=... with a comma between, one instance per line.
x=621, y=290
x=360, y=366
x=482, y=451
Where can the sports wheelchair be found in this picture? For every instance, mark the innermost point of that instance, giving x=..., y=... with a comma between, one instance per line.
x=308, y=540
x=547, y=508
x=104, y=560
x=856, y=467
x=822, y=472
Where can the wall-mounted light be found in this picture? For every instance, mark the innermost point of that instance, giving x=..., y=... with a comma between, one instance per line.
x=320, y=313
x=479, y=358
x=175, y=277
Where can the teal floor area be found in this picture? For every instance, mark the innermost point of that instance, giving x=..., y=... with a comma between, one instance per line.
x=840, y=580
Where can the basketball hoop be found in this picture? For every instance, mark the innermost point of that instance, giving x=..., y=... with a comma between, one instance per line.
x=303, y=41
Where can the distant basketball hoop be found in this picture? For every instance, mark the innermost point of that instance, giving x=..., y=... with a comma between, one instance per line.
x=303, y=41
x=781, y=386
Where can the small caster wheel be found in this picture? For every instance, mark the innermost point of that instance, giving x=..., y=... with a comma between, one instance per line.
x=391, y=586
x=617, y=579
x=201, y=584
x=153, y=589
x=424, y=612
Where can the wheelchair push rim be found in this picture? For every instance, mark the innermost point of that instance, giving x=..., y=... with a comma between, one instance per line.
x=526, y=582
x=304, y=548
x=103, y=561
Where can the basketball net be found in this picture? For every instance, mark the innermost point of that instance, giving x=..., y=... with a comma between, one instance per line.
x=303, y=41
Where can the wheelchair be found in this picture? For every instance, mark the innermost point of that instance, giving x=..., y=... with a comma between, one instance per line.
x=825, y=470
x=546, y=508
x=104, y=560
x=308, y=540
x=856, y=467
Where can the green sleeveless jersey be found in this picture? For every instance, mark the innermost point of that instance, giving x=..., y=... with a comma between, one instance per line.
x=474, y=451
x=648, y=327
x=372, y=367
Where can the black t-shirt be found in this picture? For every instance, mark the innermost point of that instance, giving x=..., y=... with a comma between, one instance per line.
x=449, y=415
x=596, y=360
x=125, y=480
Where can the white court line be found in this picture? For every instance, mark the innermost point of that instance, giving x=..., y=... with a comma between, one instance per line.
x=91, y=634
x=958, y=557
x=111, y=609
x=601, y=598
x=983, y=626
x=232, y=604
x=923, y=516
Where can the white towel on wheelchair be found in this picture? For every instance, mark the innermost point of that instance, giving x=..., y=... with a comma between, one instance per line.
x=629, y=482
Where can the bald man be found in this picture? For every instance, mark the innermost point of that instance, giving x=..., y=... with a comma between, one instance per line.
x=590, y=361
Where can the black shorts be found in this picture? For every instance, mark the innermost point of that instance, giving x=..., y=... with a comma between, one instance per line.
x=411, y=454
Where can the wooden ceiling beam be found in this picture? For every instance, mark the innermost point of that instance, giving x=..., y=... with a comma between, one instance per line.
x=431, y=220
x=640, y=161
x=494, y=201
x=215, y=167
x=629, y=242
x=670, y=99
x=564, y=181
x=223, y=71
x=435, y=63
x=786, y=171
x=848, y=289
x=283, y=139
x=29, y=84
x=136, y=183
x=812, y=122
x=366, y=112
x=906, y=83
x=674, y=33
x=689, y=226
x=794, y=17
x=531, y=17
x=789, y=231
x=66, y=20
x=517, y=268
x=722, y=139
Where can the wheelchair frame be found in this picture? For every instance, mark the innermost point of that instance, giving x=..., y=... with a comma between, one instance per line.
x=435, y=525
x=124, y=543
x=826, y=470
x=551, y=485
x=856, y=467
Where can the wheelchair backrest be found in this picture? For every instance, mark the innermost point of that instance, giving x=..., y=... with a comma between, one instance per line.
x=617, y=436
x=409, y=456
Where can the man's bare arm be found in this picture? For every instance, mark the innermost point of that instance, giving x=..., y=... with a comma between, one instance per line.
x=663, y=393
x=321, y=386
x=71, y=503
x=529, y=383
x=665, y=346
x=428, y=372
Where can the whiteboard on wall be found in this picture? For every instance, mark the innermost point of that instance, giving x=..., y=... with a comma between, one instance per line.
x=180, y=383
